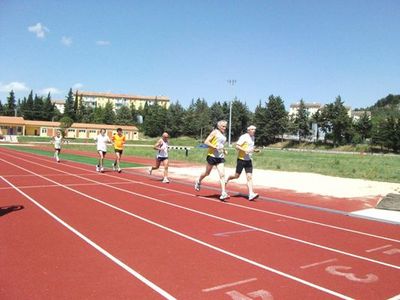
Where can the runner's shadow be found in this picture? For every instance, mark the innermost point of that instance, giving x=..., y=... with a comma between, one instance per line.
x=213, y=196
x=7, y=209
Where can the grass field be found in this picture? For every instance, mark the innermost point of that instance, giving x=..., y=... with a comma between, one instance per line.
x=372, y=167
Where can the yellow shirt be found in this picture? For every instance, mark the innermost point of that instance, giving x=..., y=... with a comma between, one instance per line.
x=119, y=141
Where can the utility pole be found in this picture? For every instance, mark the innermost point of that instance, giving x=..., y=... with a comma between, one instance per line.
x=231, y=82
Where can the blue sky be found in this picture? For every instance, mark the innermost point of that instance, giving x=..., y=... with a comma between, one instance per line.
x=311, y=50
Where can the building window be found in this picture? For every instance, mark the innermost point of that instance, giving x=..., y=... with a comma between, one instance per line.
x=44, y=130
x=82, y=131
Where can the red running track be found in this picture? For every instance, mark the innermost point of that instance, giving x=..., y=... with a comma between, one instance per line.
x=85, y=235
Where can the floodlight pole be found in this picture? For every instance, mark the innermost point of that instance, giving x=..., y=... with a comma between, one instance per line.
x=231, y=82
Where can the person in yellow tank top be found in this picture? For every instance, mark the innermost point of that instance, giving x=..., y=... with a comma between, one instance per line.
x=246, y=148
x=118, y=140
x=215, y=157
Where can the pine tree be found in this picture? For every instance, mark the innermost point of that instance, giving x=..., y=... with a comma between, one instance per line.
x=302, y=121
x=175, y=121
x=276, y=118
x=28, y=107
x=10, y=107
x=1, y=109
x=69, y=106
x=124, y=116
x=48, y=109
x=109, y=114
x=364, y=126
x=260, y=121
x=38, y=108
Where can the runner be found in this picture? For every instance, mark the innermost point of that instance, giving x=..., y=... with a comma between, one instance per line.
x=119, y=140
x=162, y=155
x=57, y=141
x=245, y=147
x=215, y=157
x=101, y=142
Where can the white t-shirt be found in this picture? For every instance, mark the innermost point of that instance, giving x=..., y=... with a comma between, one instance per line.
x=101, y=142
x=246, y=141
x=163, y=152
x=57, y=142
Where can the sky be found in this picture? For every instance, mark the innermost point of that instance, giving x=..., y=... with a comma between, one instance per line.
x=306, y=49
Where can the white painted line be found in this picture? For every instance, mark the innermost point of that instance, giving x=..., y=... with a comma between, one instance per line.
x=207, y=215
x=228, y=233
x=54, y=185
x=227, y=203
x=222, y=286
x=94, y=245
x=379, y=248
x=318, y=263
x=244, y=259
x=397, y=297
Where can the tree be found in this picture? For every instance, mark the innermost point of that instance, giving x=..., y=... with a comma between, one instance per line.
x=124, y=116
x=217, y=113
x=276, y=118
x=1, y=109
x=48, y=109
x=98, y=115
x=38, y=108
x=69, y=106
x=109, y=114
x=65, y=123
x=364, y=126
x=27, y=112
x=10, y=106
x=337, y=121
x=240, y=118
x=175, y=122
x=260, y=121
x=154, y=120
x=302, y=122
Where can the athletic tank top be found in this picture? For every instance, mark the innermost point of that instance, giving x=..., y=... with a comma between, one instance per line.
x=163, y=152
x=217, y=141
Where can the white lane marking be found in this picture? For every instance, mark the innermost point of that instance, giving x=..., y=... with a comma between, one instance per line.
x=53, y=185
x=207, y=215
x=379, y=248
x=229, y=233
x=318, y=263
x=397, y=297
x=227, y=203
x=249, y=261
x=94, y=245
x=222, y=286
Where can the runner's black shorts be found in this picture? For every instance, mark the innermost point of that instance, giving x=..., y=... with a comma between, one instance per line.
x=215, y=160
x=161, y=158
x=247, y=165
x=118, y=151
x=57, y=149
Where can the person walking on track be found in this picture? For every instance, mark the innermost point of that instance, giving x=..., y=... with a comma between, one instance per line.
x=215, y=157
x=245, y=147
x=101, y=143
x=57, y=141
x=162, y=156
x=118, y=140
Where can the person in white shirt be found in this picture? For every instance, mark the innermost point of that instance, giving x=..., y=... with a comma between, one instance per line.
x=101, y=143
x=162, y=155
x=246, y=148
x=57, y=141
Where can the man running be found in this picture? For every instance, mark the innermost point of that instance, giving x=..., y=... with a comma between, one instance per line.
x=57, y=141
x=101, y=143
x=245, y=147
x=118, y=140
x=215, y=157
x=162, y=155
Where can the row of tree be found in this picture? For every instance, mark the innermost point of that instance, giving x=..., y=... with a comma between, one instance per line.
x=379, y=124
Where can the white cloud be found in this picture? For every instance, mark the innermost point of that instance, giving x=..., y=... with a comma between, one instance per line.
x=77, y=86
x=66, y=41
x=15, y=86
x=51, y=90
x=39, y=30
x=103, y=43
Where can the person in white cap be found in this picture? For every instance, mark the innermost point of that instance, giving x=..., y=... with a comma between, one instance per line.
x=245, y=147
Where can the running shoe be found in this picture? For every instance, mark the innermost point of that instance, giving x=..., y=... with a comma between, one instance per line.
x=150, y=170
x=197, y=185
x=165, y=180
x=119, y=170
x=102, y=170
x=113, y=166
x=224, y=196
x=253, y=196
x=97, y=168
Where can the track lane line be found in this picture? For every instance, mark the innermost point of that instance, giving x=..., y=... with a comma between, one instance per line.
x=208, y=215
x=93, y=244
x=227, y=203
x=241, y=258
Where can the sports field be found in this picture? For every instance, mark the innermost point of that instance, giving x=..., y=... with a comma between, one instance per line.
x=72, y=233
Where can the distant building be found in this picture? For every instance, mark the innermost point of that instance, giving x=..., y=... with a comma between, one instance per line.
x=59, y=104
x=312, y=108
x=357, y=114
x=94, y=99
x=19, y=126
